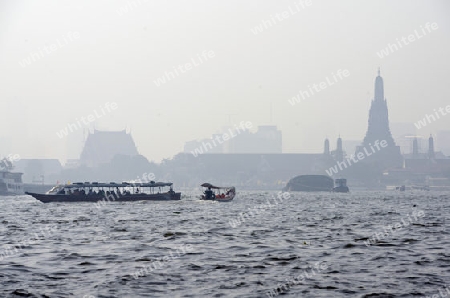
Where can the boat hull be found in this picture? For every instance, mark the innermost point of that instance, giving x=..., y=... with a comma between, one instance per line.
x=52, y=198
x=343, y=189
x=310, y=183
x=226, y=199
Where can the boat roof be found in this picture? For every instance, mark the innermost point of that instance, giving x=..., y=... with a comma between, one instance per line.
x=3, y=171
x=216, y=187
x=113, y=184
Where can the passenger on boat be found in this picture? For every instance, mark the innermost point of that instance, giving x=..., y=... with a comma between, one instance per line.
x=208, y=194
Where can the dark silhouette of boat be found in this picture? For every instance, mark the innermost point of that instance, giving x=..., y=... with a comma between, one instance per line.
x=224, y=194
x=341, y=185
x=95, y=192
x=310, y=183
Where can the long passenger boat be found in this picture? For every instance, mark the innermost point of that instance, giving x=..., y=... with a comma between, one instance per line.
x=95, y=192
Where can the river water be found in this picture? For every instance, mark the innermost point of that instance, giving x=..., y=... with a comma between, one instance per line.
x=262, y=244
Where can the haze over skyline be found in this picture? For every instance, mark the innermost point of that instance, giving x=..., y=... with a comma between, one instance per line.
x=222, y=63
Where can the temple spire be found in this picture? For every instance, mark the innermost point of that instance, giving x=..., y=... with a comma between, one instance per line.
x=379, y=88
x=431, y=147
x=378, y=129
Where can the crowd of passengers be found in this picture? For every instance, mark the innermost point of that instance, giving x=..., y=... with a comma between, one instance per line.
x=100, y=192
x=91, y=192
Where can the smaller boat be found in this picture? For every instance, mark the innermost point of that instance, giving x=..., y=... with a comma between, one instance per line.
x=340, y=185
x=218, y=193
x=401, y=188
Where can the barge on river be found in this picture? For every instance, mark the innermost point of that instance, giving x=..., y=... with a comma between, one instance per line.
x=95, y=191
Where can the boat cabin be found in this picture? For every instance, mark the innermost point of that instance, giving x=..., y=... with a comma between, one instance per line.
x=102, y=189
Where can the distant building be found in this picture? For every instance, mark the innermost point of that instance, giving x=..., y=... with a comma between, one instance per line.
x=101, y=146
x=37, y=170
x=403, y=133
x=443, y=141
x=419, y=152
x=431, y=154
x=326, y=147
x=241, y=168
x=426, y=166
x=350, y=145
x=267, y=139
x=339, y=153
x=378, y=131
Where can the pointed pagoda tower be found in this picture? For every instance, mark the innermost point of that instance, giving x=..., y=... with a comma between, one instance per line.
x=431, y=154
x=378, y=130
x=339, y=153
x=326, y=147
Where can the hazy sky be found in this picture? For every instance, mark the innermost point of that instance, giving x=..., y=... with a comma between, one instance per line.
x=64, y=60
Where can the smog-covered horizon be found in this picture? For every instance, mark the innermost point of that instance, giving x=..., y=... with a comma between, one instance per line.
x=172, y=74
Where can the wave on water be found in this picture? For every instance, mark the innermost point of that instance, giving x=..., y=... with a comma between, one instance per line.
x=363, y=244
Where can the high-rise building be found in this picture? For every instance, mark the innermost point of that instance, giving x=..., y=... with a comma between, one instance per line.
x=378, y=131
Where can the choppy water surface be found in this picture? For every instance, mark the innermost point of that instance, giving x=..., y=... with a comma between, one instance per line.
x=364, y=244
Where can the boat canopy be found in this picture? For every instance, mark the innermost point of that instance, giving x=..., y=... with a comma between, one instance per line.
x=123, y=184
x=216, y=187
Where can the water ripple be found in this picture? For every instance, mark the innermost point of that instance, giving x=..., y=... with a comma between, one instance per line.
x=310, y=245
